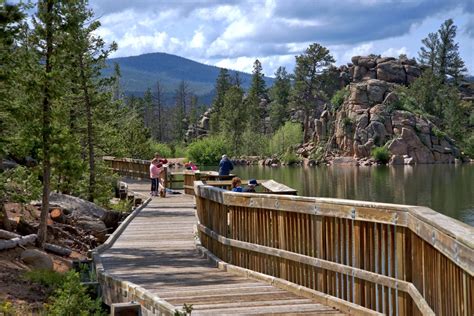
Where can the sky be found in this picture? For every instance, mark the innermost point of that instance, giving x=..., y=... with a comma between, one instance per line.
x=233, y=33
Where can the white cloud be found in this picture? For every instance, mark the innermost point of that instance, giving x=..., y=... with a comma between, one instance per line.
x=232, y=33
x=197, y=40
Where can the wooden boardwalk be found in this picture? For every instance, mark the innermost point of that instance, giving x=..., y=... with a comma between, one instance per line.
x=157, y=252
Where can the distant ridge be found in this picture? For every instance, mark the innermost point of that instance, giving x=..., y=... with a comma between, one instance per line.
x=143, y=71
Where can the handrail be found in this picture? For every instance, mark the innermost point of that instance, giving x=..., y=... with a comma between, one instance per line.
x=389, y=258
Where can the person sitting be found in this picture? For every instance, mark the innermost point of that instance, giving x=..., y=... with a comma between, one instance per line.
x=251, y=185
x=190, y=166
x=236, y=184
x=225, y=166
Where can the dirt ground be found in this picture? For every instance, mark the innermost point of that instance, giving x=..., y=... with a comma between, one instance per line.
x=26, y=297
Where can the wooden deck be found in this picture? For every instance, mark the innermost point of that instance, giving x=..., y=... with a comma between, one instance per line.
x=157, y=252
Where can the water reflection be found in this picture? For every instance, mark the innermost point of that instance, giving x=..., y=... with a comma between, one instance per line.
x=448, y=189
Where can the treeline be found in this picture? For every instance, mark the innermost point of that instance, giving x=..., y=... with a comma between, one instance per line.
x=56, y=109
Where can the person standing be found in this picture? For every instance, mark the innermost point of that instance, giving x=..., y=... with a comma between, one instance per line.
x=225, y=166
x=155, y=171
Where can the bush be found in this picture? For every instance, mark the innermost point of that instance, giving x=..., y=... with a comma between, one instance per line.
x=163, y=149
x=20, y=184
x=72, y=299
x=339, y=97
x=47, y=278
x=290, y=157
x=286, y=136
x=381, y=154
x=208, y=151
x=254, y=144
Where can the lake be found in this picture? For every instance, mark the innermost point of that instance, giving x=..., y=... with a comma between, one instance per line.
x=448, y=189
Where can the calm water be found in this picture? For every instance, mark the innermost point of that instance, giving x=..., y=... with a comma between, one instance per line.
x=448, y=189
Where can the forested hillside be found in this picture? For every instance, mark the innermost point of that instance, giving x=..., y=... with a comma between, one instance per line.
x=138, y=73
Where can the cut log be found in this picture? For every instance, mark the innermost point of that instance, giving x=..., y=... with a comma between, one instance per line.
x=18, y=241
x=57, y=215
x=58, y=250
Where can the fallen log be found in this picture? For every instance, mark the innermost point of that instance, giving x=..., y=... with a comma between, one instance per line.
x=62, y=251
x=17, y=241
x=5, y=234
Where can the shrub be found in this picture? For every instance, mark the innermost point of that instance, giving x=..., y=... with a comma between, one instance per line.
x=47, y=278
x=254, y=144
x=208, y=151
x=163, y=149
x=290, y=157
x=20, y=184
x=381, y=154
x=286, y=136
x=339, y=97
x=72, y=299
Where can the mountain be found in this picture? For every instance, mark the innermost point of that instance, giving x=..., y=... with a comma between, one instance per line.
x=142, y=72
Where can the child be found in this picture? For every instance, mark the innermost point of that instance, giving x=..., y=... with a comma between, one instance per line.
x=236, y=184
x=155, y=171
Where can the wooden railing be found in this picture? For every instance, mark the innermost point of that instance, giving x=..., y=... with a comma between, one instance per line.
x=140, y=169
x=392, y=259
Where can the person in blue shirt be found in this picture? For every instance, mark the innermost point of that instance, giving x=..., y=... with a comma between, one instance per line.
x=251, y=186
x=236, y=184
x=225, y=166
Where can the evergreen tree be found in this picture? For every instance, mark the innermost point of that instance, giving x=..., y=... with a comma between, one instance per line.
x=181, y=108
x=441, y=53
x=280, y=94
x=233, y=118
x=308, y=86
x=223, y=83
x=257, y=92
x=158, y=121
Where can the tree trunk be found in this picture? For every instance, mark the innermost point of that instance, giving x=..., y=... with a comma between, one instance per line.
x=46, y=129
x=57, y=215
x=90, y=131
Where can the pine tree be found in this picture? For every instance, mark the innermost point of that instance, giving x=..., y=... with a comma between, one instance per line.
x=257, y=92
x=441, y=53
x=158, y=121
x=233, y=118
x=182, y=94
x=308, y=86
x=223, y=83
x=280, y=94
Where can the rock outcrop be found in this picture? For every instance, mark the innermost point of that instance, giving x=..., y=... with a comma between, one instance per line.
x=369, y=116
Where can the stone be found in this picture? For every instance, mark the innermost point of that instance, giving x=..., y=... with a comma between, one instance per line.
x=359, y=73
x=377, y=132
x=366, y=61
x=412, y=72
x=358, y=94
x=396, y=160
x=409, y=161
x=204, y=123
x=362, y=121
x=345, y=161
x=37, y=259
x=371, y=74
x=355, y=60
x=380, y=60
x=377, y=113
x=403, y=119
x=391, y=71
x=390, y=99
x=376, y=90
x=397, y=147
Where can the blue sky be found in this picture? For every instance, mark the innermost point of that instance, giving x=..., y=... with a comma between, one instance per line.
x=233, y=34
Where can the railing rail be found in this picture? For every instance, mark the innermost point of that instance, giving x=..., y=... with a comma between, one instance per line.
x=393, y=259
x=139, y=169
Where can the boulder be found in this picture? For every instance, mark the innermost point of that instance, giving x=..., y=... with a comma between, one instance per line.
x=412, y=72
x=78, y=207
x=409, y=161
x=396, y=160
x=345, y=161
x=380, y=60
x=37, y=259
x=391, y=71
x=359, y=73
x=397, y=147
x=376, y=90
x=367, y=61
x=358, y=94
x=355, y=60
x=377, y=132
x=390, y=99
